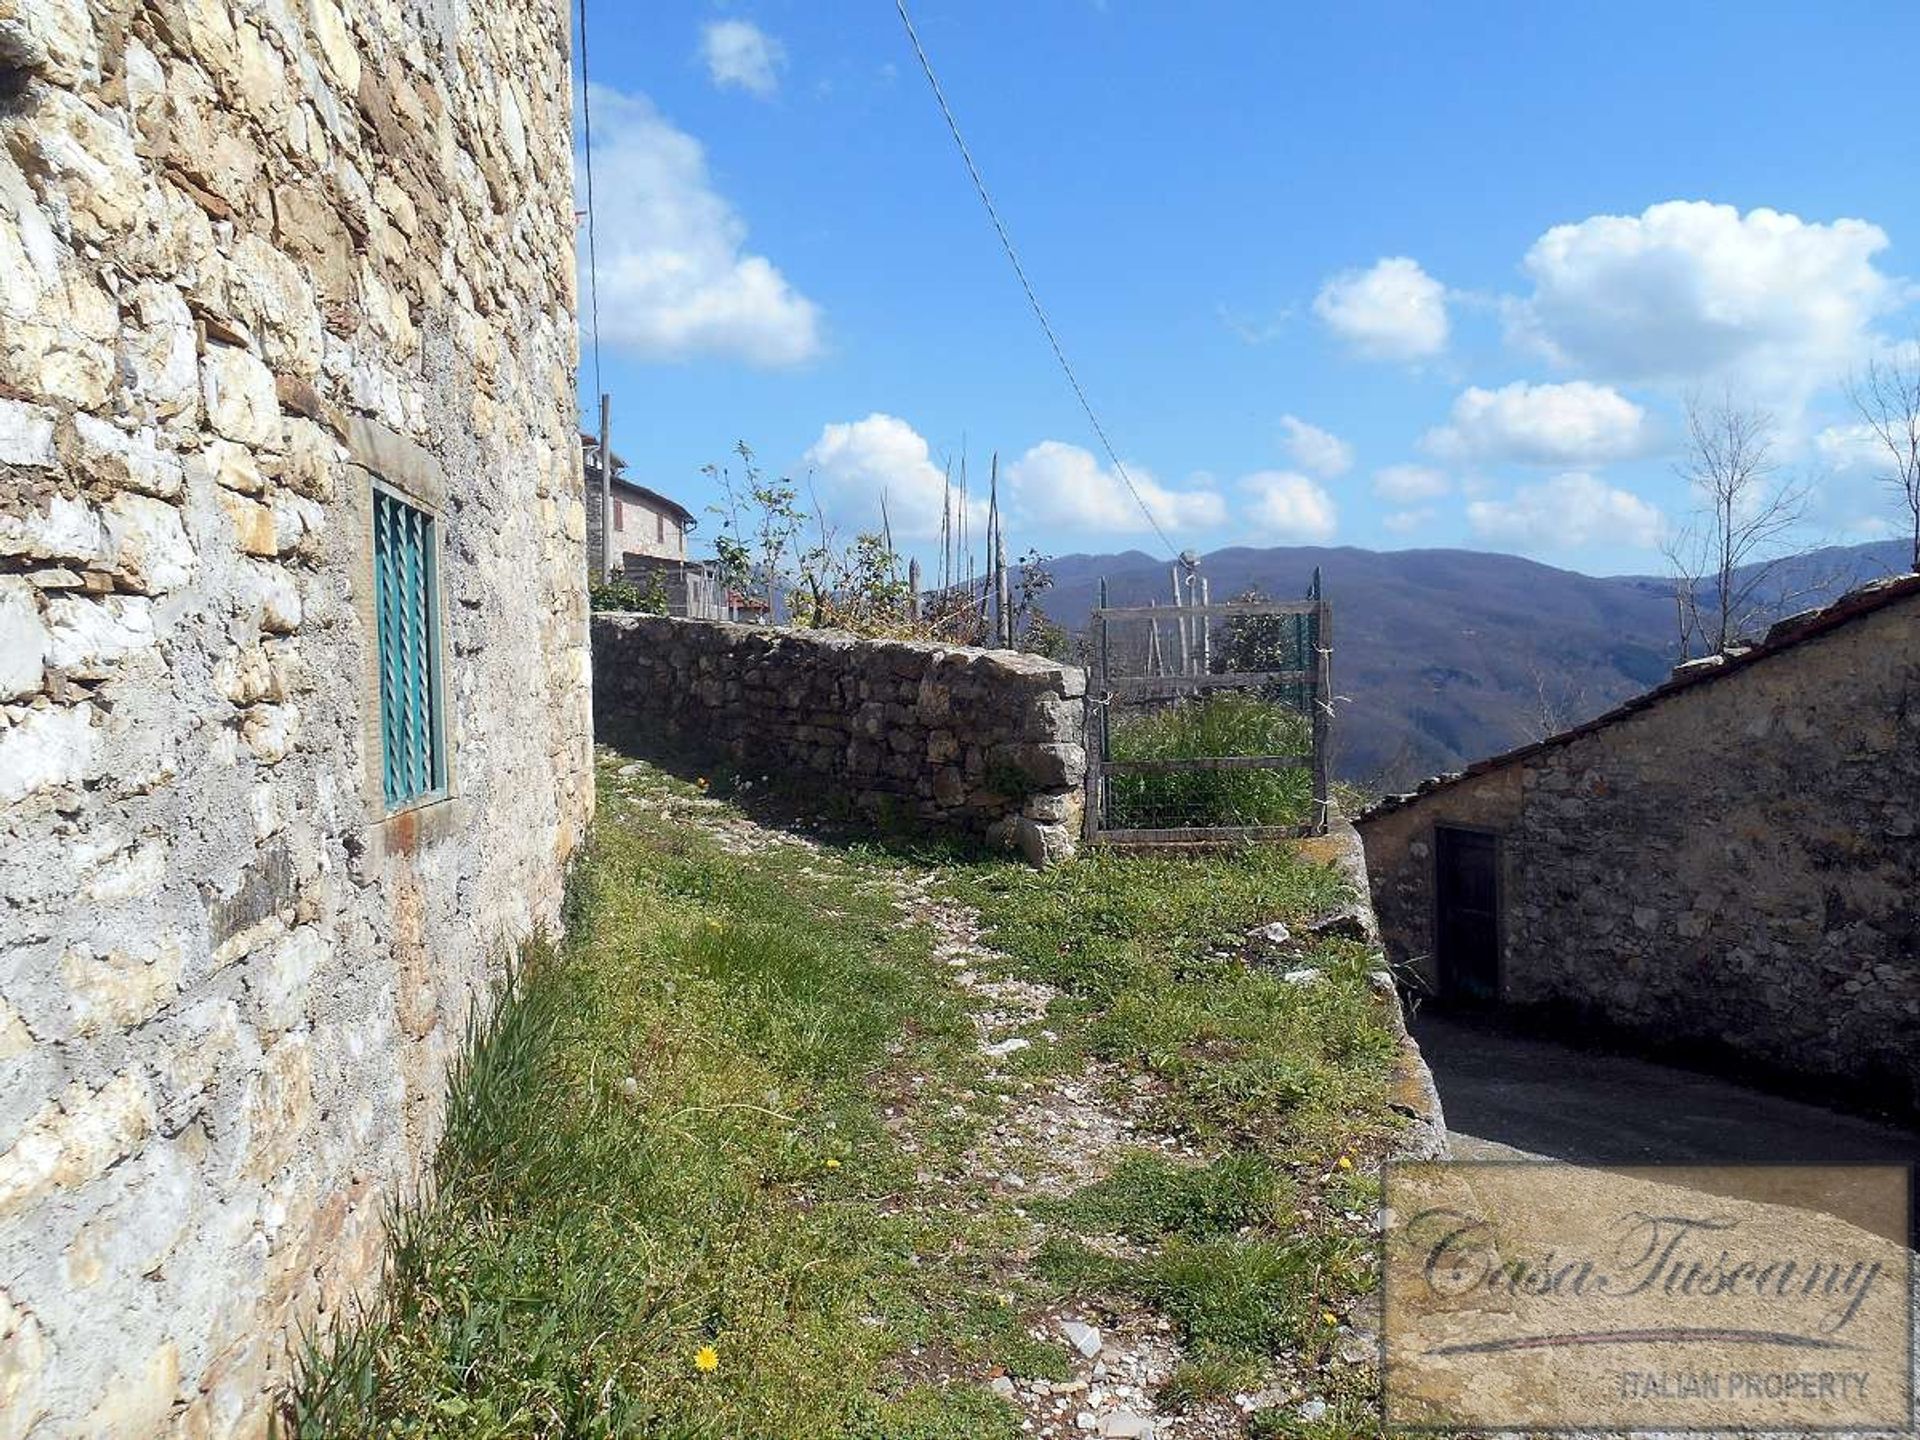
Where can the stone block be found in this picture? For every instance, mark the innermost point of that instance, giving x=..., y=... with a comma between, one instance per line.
x=24, y=640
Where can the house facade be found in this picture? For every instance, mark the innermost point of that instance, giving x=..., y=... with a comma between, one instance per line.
x=1728, y=863
x=647, y=526
x=295, y=704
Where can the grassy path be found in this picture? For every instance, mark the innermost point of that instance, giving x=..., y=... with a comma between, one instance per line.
x=796, y=1138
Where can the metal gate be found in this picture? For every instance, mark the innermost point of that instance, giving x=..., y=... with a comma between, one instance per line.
x=1211, y=722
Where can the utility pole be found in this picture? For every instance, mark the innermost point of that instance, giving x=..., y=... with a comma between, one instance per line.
x=606, y=489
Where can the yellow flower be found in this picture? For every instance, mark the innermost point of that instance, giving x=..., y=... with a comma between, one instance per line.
x=706, y=1359
x=1329, y=1317
x=832, y=1164
x=1344, y=1163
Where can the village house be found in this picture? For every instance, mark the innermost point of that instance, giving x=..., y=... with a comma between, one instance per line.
x=648, y=544
x=1727, y=863
x=295, y=739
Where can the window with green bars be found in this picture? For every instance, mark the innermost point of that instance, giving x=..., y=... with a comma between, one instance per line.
x=407, y=614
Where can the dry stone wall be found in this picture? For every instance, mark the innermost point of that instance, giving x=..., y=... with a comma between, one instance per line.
x=255, y=257
x=990, y=742
x=1732, y=867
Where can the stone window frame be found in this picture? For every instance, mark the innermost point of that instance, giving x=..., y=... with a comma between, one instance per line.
x=381, y=459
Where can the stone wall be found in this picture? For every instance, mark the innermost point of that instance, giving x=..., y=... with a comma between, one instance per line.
x=990, y=742
x=253, y=257
x=1728, y=866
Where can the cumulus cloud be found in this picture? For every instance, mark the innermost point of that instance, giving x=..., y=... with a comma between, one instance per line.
x=1317, y=451
x=1578, y=423
x=1064, y=485
x=742, y=56
x=1285, y=505
x=855, y=461
x=1404, y=484
x=1568, y=512
x=1401, y=522
x=675, y=279
x=1689, y=290
x=1851, y=449
x=1394, y=311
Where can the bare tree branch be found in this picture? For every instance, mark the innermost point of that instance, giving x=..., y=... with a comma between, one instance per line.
x=1727, y=561
x=1887, y=398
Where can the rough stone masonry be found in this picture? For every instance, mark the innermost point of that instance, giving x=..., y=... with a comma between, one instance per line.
x=990, y=742
x=255, y=258
x=1726, y=865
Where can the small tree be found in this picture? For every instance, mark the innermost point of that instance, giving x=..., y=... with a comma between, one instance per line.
x=759, y=521
x=1727, y=559
x=1888, y=400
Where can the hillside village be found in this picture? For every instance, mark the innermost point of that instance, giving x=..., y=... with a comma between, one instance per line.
x=488, y=952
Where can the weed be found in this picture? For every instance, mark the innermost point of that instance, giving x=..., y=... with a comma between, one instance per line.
x=1211, y=727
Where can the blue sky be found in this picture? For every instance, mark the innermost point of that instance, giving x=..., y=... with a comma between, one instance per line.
x=1379, y=275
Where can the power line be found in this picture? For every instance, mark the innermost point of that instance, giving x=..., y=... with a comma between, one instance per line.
x=593, y=260
x=1006, y=243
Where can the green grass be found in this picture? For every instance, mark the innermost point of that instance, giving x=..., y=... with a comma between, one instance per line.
x=1220, y=724
x=672, y=1133
x=1146, y=948
x=665, y=1138
x=1250, y=1254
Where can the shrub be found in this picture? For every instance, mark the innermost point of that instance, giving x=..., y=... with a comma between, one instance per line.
x=1212, y=726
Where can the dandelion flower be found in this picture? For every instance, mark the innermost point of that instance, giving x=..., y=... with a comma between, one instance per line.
x=706, y=1359
x=1344, y=1163
x=832, y=1164
x=1326, y=1315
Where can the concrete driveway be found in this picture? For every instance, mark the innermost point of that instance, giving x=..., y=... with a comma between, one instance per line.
x=1511, y=1097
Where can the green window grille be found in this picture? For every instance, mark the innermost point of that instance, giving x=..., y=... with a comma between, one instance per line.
x=407, y=612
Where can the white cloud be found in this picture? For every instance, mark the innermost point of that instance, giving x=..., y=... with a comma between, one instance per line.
x=1689, y=290
x=1568, y=512
x=1578, y=423
x=1404, y=484
x=1394, y=311
x=853, y=462
x=1851, y=449
x=1401, y=522
x=1318, y=451
x=675, y=281
x=742, y=56
x=1057, y=484
x=1285, y=505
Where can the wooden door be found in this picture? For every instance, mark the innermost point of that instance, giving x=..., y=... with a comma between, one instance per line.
x=1467, y=915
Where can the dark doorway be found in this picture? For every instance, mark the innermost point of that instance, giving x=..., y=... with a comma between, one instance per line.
x=1467, y=915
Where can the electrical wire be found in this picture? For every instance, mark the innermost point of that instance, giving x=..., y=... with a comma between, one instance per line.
x=1033, y=299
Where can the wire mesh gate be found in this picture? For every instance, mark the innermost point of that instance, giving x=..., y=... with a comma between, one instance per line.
x=1212, y=722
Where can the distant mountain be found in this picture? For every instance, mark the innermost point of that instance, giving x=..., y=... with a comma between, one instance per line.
x=1445, y=656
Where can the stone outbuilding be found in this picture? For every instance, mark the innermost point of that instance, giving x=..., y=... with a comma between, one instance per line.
x=295, y=704
x=1729, y=863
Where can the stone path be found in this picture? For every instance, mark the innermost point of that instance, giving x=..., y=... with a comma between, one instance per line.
x=1051, y=1135
x=1054, y=1135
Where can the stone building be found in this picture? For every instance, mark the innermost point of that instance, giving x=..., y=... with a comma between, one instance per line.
x=1728, y=863
x=294, y=677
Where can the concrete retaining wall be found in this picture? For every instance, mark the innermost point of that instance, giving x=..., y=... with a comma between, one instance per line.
x=991, y=742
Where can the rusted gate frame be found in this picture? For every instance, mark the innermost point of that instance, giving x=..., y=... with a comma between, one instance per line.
x=1318, y=678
